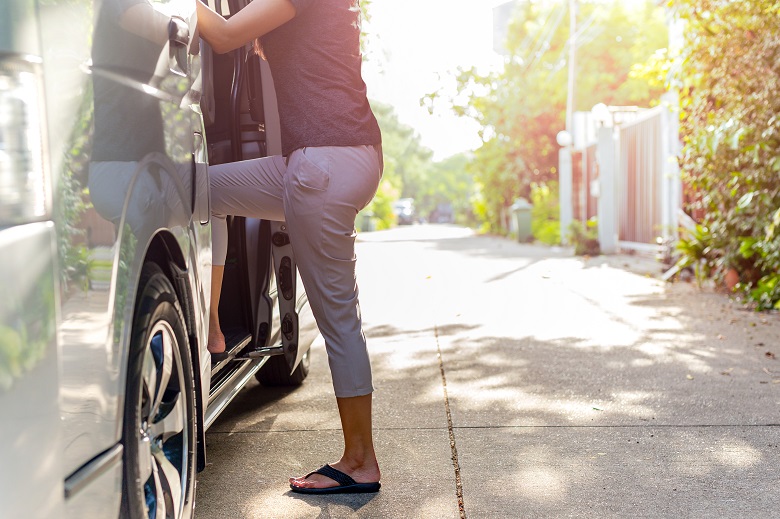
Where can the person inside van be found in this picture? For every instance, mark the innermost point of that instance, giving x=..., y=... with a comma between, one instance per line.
x=330, y=168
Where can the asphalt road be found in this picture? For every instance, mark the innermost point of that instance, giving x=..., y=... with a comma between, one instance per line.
x=515, y=381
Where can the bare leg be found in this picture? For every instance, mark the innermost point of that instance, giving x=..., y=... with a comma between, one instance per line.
x=251, y=188
x=359, y=459
x=216, y=339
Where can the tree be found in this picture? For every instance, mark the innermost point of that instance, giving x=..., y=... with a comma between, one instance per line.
x=411, y=173
x=447, y=183
x=406, y=163
x=522, y=107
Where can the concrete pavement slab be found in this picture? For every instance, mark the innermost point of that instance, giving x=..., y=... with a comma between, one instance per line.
x=250, y=480
x=407, y=378
x=583, y=344
x=619, y=472
x=555, y=367
x=528, y=382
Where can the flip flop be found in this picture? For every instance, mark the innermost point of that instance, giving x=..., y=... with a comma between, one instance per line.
x=346, y=485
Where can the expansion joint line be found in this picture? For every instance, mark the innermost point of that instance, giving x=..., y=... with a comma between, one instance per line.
x=453, y=447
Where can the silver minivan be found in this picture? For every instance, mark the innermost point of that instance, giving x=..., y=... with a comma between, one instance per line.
x=110, y=111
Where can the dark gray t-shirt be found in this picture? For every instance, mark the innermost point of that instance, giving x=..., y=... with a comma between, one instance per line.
x=316, y=64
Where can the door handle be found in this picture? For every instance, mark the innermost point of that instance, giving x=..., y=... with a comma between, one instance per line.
x=178, y=45
x=178, y=31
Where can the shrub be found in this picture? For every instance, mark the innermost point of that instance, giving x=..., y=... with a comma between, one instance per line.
x=729, y=76
x=545, y=222
x=585, y=237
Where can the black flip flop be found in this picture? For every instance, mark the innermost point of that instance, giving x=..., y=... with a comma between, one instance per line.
x=347, y=485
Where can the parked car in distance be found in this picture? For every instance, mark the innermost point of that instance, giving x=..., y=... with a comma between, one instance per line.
x=404, y=211
x=110, y=112
x=442, y=214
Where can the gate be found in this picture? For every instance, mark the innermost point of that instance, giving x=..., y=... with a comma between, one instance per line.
x=629, y=179
x=639, y=179
x=584, y=173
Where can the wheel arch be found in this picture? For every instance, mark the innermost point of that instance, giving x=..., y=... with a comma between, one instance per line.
x=165, y=251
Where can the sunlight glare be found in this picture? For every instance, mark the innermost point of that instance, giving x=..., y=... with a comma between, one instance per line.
x=413, y=48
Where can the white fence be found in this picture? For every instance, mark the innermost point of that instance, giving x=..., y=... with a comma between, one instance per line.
x=637, y=183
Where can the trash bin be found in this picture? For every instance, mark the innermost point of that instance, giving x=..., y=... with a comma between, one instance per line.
x=367, y=221
x=521, y=212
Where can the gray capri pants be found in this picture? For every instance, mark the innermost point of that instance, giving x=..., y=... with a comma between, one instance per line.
x=318, y=191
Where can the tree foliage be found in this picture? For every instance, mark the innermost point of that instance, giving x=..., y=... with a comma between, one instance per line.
x=545, y=226
x=522, y=107
x=447, y=183
x=405, y=159
x=729, y=77
x=411, y=172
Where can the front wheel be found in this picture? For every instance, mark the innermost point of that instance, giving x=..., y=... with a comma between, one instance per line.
x=159, y=430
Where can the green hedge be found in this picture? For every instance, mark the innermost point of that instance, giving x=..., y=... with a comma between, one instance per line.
x=729, y=79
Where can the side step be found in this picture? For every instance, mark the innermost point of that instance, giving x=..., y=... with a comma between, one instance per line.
x=261, y=352
x=237, y=340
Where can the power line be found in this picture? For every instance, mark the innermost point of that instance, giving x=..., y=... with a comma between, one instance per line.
x=572, y=64
x=531, y=39
x=586, y=33
x=548, y=36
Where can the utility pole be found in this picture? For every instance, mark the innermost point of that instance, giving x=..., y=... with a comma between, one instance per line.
x=566, y=138
x=572, y=66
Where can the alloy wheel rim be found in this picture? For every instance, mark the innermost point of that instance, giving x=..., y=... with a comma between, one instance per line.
x=164, y=438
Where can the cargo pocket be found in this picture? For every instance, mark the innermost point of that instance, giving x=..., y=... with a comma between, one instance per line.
x=307, y=181
x=313, y=172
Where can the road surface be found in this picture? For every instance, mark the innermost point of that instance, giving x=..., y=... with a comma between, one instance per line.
x=516, y=381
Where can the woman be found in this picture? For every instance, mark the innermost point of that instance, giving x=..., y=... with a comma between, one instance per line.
x=329, y=169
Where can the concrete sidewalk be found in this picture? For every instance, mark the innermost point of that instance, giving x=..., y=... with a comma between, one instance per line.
x=517, y=381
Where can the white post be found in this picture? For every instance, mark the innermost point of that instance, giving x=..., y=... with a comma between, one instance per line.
x=672, y=184
x=565, y=191
x=607, y=203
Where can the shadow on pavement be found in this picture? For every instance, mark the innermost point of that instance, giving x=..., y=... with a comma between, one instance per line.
x=669, y=411
x=352, y=502
x=576, y=389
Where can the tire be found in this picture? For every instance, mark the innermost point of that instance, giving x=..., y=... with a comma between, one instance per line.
x=276, y=373
x=159, y=431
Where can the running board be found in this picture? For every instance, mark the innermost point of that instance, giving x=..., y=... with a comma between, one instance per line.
x=236, y=340
x=261, y=352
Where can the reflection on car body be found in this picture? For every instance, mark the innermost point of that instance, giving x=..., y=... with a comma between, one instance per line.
x=106, y=386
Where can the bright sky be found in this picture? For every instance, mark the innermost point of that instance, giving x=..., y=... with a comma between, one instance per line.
x=413, y=47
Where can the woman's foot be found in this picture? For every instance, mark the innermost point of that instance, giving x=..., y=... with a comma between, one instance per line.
x=365, y=473
x=216, y=339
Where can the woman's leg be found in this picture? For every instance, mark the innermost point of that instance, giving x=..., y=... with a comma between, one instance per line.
x=216, y=339
x=251, y=188
x=359, y=459
x=324, y=190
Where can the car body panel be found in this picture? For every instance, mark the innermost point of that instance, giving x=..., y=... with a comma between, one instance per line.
x=96, y=490
x=110, y=210
x=29, y=376
x=79, y=268
x=19, y=28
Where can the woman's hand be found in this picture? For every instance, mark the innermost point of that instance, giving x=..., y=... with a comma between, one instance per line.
x=256, y=19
